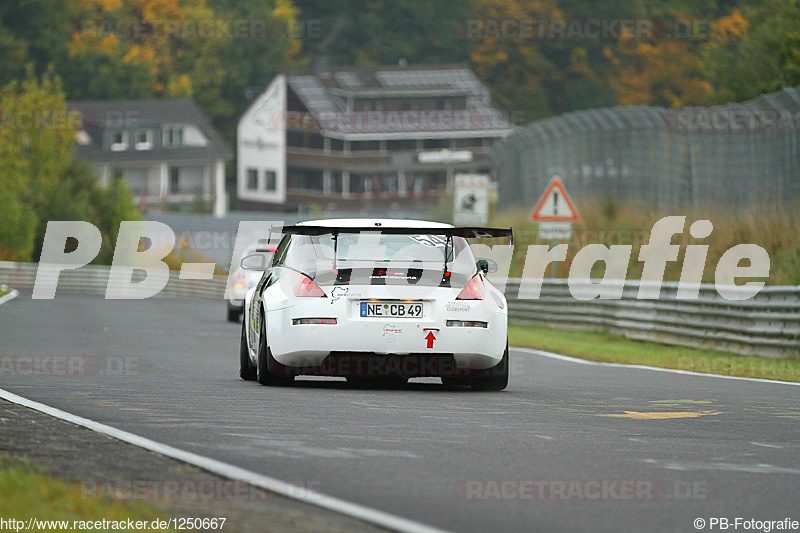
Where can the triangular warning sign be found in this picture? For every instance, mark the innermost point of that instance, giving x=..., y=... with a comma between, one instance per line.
x=555, y=205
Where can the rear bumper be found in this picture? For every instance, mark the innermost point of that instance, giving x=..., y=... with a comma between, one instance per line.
x=365, y=364
x=354, y=345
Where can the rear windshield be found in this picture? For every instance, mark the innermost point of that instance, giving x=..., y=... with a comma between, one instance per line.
x=379, y=247
x=356, y=249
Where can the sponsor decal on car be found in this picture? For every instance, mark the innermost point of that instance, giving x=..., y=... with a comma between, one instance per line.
x=338, y=292
x=460, y=306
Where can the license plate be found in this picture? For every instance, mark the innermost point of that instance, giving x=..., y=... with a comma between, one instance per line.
x=391, y=309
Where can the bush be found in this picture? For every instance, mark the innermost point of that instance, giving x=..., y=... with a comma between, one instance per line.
x=17, y=228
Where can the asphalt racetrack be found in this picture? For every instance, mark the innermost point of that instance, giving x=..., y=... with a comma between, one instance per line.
x=566, y=447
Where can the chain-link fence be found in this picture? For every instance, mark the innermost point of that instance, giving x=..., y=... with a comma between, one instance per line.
x=735, y=155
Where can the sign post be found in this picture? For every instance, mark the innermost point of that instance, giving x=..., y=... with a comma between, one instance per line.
x=471, y=200
x=555, y=212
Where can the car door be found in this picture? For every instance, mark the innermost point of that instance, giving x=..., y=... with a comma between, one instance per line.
x=269, y=277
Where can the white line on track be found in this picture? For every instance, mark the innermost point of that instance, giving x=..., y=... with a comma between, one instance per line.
x=8, y=297
x=354, y=510
x=560, y=357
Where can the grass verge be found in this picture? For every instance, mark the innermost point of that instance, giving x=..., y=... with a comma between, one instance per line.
x=26, y=494
x=610, y=348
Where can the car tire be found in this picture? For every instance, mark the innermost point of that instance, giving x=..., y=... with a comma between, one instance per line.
x=234, y=315
x=247, y=371
x=269, y=371
x=495, y=378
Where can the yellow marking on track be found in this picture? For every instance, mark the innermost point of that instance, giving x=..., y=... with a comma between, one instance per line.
x=662, y=415
x=670, y=402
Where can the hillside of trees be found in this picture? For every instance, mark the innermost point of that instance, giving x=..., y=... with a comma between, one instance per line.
x=55, y=50
x=736, y=50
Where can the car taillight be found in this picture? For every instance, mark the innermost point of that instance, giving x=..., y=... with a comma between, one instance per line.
x=473, y=290
x=238, y=281
x=305, y=287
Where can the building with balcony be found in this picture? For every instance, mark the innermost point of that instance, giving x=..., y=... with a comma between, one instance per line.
x=353, y=135
x=166, y=151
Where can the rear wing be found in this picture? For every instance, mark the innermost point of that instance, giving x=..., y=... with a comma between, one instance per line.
x=468, y=232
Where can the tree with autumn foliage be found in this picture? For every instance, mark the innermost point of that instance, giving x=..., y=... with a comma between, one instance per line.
x=178, y=60
x=667, y=73
x=754, y=51
x=515, y=68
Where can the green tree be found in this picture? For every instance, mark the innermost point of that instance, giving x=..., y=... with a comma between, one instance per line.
x=36, y=137
x=385, y=31
x=756, y=53
x=17, y=228
x=41, y=180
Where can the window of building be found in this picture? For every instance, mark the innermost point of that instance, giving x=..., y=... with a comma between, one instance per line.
x=252, y=179
x=432, y=144
x=404, y=145
x=296, y=139
x=173, y=136
x=365, y=146
x=144, y=140
x=270, y=180
x=174, y=180
x=470, y=142
x=119, y=141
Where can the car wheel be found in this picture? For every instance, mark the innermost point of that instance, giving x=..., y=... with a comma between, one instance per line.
x=246, y=369
x=234, y=315
x=495, y=378
x=269, y=371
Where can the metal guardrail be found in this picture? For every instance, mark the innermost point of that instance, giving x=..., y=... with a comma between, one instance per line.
x=766, y=325
x=94, y=280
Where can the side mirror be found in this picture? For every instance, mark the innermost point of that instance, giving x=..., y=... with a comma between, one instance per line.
x=486, y=265
x=257, y=261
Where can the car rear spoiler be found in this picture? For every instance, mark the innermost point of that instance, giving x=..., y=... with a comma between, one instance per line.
x=468, y=232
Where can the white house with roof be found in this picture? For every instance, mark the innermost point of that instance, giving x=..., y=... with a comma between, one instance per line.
x=350, y=135
x=166, y=151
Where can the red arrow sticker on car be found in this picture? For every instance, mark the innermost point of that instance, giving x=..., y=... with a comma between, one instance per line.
x=430, y=338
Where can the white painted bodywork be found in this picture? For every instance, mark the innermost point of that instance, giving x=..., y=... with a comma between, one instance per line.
x=308, y=345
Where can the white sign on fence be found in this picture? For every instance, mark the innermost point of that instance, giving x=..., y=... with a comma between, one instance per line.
x=555, y=231
x=471, y=196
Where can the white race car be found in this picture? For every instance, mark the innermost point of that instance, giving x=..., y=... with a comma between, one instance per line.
x=376, y=299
